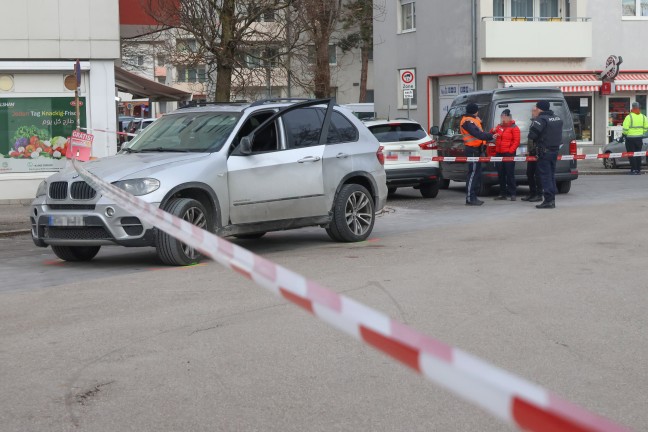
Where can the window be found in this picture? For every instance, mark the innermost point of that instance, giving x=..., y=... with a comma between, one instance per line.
x=192, y=74
x=161, y=59
x=341, y=130
x=581, y=111
x=635, y=8
x=398, y=132
x=268, y=16
x=186, y=45
x=332, y=54
x=522, y=8
x=370, y=96
x=408, y=15
x=140, y=60
x=527, y=10
x=303, y=127
x=257, y=58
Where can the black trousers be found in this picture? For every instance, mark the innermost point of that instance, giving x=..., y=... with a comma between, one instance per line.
x=634, y=144
x=547, y=169
x=506, y=176
x=533, y=177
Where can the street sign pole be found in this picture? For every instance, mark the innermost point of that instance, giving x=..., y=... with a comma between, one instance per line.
x=77, y=72
x=408, y=107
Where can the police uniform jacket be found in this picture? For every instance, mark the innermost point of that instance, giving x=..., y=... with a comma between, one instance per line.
x=546, y=131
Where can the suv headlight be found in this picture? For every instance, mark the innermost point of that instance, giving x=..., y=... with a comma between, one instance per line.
x=42, y=189
x=138, y=187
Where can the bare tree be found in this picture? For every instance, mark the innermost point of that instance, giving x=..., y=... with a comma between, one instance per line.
x=319, y=19
x=226, y=34
x=357, y=20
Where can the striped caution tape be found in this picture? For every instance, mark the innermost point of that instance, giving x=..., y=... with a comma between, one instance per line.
x=504, y=395
x=533, y=158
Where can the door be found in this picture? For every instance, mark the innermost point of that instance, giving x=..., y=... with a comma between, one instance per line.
x=282, y=177
x=451, y=145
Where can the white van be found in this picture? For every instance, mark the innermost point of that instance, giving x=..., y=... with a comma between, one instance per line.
x=363, y=111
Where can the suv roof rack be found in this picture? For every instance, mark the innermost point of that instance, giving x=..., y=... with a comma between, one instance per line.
x=276, y=100
x=194, y=103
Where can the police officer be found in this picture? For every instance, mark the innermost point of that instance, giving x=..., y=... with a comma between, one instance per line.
x=546, y=132
x=535, y=186
x=635, y=126
x=474, y=137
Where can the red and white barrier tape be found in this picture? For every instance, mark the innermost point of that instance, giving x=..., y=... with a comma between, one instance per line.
x=110, y=131
x=533, y=158
x=504, y=395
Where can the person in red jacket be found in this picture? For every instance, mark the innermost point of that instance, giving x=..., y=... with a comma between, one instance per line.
x=508, y=140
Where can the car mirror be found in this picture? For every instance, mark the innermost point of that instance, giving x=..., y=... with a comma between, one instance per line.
x=245, y=146
x=434, y=130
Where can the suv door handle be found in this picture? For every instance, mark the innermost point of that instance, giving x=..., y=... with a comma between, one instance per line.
x=342, y=156
x=309, y=159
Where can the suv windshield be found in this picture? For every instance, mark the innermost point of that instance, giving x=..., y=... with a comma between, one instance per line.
x=188, y=132
x=397, y=132
x=521, y=113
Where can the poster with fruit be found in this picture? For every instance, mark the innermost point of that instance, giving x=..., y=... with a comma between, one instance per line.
x=34, y=132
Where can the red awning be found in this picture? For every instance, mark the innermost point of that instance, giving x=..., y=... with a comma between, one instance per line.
x=568, y=83
x=631, y=81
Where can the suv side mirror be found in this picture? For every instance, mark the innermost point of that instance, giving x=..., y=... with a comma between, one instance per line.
x=245, y=146
x=434, y=130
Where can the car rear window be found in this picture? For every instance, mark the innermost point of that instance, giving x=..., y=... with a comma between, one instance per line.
x=394, y=132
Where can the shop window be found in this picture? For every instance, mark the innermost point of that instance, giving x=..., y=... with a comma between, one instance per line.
x=618, y=109
x=642, y=101
x=581, y=111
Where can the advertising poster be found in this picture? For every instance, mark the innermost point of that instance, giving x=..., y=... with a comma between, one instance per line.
x=34, y=133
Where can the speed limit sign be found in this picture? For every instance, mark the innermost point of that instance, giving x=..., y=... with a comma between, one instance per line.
x=408, y=79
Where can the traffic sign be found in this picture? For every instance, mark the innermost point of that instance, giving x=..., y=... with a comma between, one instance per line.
x=408, y=94
x=408, y=79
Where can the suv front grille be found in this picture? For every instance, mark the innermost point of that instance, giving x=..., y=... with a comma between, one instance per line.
x=58, y=190
x=82, y=191
x=83, y=233
x=71, y=206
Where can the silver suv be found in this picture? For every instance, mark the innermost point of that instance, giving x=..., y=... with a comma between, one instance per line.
x=235, y=169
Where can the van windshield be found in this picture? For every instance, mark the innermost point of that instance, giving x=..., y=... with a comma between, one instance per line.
x=521, y=113
x=188, y=132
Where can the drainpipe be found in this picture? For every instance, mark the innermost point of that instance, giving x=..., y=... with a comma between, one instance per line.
x=474, y=44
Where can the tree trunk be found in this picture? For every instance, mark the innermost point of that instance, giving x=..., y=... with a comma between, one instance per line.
x=364, y=55
x=322, y=72
x=225, y=66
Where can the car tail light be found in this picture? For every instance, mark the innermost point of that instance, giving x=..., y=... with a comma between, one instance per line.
x=573, y=147
x=490, y=150
x=429, y=145
x=380, y=155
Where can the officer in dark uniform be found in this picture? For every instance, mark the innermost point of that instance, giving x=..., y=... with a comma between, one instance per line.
x=546, y=132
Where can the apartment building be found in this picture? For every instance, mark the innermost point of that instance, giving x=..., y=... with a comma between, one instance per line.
x=457, y=47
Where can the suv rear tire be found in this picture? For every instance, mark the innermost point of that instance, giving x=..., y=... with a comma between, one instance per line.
x=430, y=190
x=76, y=253
x=172, y=251
x=353, y=214
x=564, y=187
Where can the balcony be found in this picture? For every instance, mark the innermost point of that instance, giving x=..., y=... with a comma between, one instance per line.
x=523, y=38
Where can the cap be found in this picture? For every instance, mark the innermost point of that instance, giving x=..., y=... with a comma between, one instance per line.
x=543, y=105
x=472, y=108
x=506, y=112
x=636, y=105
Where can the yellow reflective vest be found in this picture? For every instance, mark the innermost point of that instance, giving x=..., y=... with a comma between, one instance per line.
x=635, y=125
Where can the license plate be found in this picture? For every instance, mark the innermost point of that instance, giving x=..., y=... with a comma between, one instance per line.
x=66, y=221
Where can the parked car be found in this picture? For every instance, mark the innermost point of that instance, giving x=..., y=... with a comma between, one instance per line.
x=139, y=124
x=408, y=155
x=363, y=110
x=618, y=146
x=122, y=126
x=235, y=169
x=491, y=104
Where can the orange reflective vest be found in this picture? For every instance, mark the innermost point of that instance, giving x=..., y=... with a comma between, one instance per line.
x=468, y=139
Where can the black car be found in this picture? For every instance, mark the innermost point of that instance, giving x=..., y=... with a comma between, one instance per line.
x=491, y=104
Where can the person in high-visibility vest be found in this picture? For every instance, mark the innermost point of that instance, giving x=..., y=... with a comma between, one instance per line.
x=635, y=127
x=474, y=137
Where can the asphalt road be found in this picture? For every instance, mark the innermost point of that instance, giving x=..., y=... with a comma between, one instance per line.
x=123, y=343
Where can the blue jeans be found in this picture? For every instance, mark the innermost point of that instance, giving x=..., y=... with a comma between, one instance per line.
x=547, y=171
x=473, y=181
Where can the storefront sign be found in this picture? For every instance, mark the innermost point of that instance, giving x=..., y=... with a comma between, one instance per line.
x=34, y=133
x=80, y=146
x=449, y=90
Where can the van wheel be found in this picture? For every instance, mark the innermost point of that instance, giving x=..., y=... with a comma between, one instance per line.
x=430, y=190
x=76, y=253
x=443, y=182
x=170, y=250
x=484, y=190
x=564, y=187
x=353, y=214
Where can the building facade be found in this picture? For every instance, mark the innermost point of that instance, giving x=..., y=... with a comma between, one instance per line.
x=455, y=49
x=41, y=41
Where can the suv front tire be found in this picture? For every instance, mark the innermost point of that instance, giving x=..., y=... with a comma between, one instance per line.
x=172, y=251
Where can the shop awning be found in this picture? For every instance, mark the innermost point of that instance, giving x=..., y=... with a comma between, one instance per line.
x=144, y=88
x=631, y=81
x=568, y=83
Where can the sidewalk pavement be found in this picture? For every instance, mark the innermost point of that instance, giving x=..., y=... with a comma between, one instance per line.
x=14, y=214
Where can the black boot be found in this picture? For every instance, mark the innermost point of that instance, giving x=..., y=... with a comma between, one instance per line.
x=528, y=197
x=547, y=205
x=536, y=198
